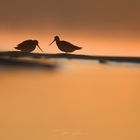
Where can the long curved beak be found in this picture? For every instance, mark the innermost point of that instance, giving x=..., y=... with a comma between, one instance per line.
x=39, y=48
x=52, y=42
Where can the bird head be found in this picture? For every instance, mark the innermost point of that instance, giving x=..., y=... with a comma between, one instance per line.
x=37, y=44
x=56, y=38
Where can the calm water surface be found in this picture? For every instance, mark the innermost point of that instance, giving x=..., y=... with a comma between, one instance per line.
x=81, y=100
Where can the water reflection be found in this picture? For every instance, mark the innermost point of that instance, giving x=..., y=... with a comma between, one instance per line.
x=83, y=100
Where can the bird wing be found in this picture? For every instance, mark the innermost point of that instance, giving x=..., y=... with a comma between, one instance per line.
x=66, y=43
x=25, y=43
x=70, y=45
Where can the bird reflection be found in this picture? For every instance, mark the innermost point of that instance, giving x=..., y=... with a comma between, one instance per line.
x=28, y=46
x=65, y=46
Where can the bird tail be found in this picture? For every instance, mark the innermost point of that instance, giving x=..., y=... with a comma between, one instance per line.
x=79, y=48
x=16, y=48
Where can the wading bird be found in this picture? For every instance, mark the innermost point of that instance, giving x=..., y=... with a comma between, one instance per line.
x=28, y=46
x=65, y=46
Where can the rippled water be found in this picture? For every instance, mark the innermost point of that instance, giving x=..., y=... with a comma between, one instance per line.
x=79, y=100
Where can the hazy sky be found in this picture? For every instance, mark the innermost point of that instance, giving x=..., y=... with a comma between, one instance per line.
x=71, y=14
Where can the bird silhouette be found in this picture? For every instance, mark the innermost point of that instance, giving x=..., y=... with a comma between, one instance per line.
x=28, y=46
x=65, y=46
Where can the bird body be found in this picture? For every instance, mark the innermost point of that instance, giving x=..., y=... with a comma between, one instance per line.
x=28, y=46
x=65, y=46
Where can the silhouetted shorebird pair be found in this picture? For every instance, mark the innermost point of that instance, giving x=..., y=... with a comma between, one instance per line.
x=30, y=45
